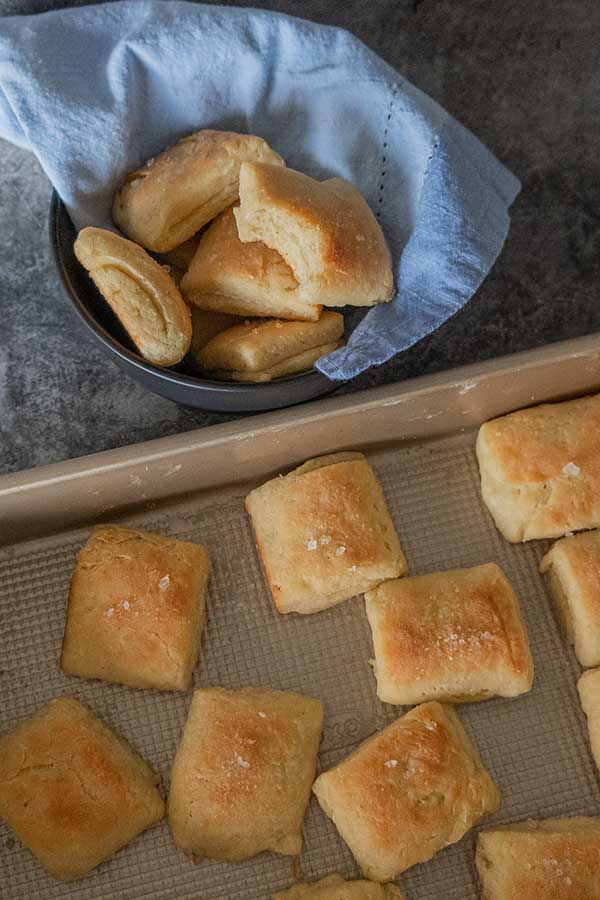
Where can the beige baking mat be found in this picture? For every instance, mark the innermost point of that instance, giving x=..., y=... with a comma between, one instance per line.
x=535, y=747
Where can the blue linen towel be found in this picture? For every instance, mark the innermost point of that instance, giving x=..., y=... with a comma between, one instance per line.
x=94, y=91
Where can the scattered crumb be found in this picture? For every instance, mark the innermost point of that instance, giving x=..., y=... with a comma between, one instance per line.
x=571, y=469
x=569, y=534
x=352, y=569
x=371, y=663
x=242, y=763
x=311, y=545
x=325, y=539
x=262, y=714
x=110, y=611
x=391, y=763
x=340, y=550
x=150, y=162
x=164, y=583
x=167, y=268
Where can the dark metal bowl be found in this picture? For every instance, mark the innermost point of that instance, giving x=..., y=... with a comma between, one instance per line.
x=179, y=383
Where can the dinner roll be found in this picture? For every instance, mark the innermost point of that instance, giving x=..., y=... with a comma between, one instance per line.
x=259, y=345
x=140, y=293
x=250, y=279
x=173, y=195
x=324, y=230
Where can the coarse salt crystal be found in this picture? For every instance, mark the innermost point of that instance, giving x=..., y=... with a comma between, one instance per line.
x=340, y=550
x=164, y=583
x=571, y=469
x=262, y=714
x=242, y=763
x=110, y=612
x=311, y=545
x=352, y=569
x=325, y=539
x=391, y=763
x=125, y=604
x=360, y=237
x=569, y=534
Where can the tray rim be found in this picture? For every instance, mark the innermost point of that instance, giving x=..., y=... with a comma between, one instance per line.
x=262, y=423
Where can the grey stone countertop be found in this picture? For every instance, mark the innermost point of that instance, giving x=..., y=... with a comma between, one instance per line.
x=522, y=75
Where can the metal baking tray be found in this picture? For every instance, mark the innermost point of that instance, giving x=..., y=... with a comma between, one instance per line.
x=419, y=436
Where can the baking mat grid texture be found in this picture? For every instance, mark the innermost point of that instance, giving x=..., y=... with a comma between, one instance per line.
x=535, y=747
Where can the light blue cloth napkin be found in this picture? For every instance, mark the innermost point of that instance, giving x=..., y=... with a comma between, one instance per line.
x=95, y=91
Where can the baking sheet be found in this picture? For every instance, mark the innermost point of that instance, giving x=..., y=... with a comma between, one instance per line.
x=535, y=747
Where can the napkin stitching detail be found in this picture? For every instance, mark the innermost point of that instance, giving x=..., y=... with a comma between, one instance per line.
x=384, y=153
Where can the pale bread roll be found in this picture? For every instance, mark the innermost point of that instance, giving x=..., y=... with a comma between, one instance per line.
x=249, y=279
x=206, y=325
x=173, y=195
x=255, y=346
x=324, y=533
x=407, y=792
x=73, y=791
x=454, y=636
x=242, y=774
x=552, y=859
x=540, y=469
x=572, y=567
x=140, y=292
x=589, y=695
x=291, y=366
x=324, y=230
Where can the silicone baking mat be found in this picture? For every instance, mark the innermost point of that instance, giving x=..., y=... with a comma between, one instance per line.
x=535, y=747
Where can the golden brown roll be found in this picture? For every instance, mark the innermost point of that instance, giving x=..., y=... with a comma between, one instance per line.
x=453, y=636
x=250, y=279
x=555, y=859
x=263, y=347
x=324, y=533
x=205, y=326
x=173, y=195
x=74, y=792
x=136, y=609
x=407, y=791
x=572, y=567
x=140, y=292
x=540, y=469
x=243, y=771
x=324, y=230
x=293, y=365
x=588, y=687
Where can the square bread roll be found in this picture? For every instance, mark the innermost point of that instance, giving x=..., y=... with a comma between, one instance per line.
x=334, y=887
x=140, y=292
x=456, y=636
x=249, y=279
x=271, y=345
x=572, y=567
x=540, y=469
x=324, y=533
x=555, y=859
x=166, y=201
x=407, y=792
x=293, y=365
x=73, y=792
x=243, y=771
x=324, y=230
x=589, y=695
x=205, y=326
x=136, y=609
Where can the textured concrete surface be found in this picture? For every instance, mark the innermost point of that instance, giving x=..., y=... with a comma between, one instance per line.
x=523, y=76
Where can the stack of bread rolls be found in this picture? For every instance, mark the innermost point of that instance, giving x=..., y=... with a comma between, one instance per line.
x=231, y=258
